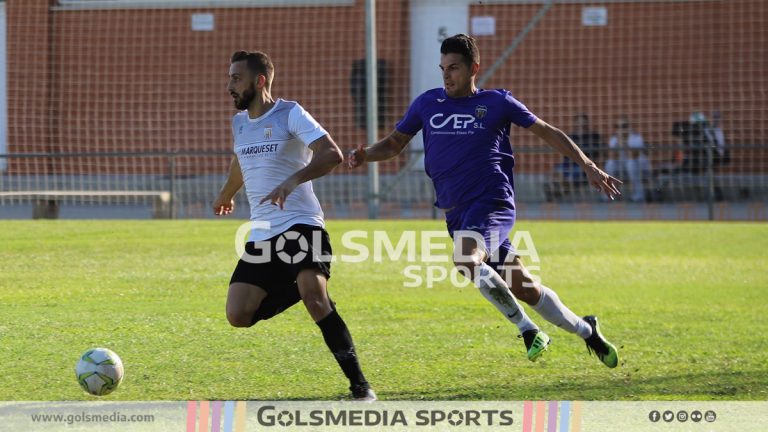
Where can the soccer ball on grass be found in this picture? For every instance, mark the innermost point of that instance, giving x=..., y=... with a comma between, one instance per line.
x=99, y=371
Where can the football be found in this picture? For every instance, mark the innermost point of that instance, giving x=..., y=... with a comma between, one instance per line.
x=99, y=371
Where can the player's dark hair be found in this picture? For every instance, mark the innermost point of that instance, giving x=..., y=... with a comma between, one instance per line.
x=258, y=63
x=464, y=45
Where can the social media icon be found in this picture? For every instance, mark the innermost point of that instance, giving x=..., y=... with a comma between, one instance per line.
x=669, y=416
x=696, y=416
x=710, y=416
x=682, y=416
x=654, y=416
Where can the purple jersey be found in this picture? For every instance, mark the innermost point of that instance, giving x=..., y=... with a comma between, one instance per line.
x=466, y=140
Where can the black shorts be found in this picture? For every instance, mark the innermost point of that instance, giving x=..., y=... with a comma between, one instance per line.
x=289, y=253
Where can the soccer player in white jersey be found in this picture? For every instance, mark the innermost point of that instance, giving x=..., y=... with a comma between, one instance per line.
x=279, y=148
x=468, y=156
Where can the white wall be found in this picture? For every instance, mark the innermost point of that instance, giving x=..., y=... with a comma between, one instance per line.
x=431, y=22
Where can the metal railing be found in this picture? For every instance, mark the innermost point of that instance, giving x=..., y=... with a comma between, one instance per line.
x=192, y=180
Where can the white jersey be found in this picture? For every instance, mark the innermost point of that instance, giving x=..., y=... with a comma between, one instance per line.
x=270, y=149
x=635, y=141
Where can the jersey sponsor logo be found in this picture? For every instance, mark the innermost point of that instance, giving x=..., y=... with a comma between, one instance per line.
x=457, y=121
x=440, y=100
x=257, y=149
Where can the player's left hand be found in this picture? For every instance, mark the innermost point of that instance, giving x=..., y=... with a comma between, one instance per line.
x=280, y=193
x=357, y=157
x=603, y=182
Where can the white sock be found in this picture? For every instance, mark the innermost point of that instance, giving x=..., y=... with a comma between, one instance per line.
x=494, y=289
x=553, y=310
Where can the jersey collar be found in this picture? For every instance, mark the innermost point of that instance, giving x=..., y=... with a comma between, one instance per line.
x=445, y=95
x=261, y=117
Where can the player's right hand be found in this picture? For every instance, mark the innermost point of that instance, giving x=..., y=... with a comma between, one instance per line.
x=357, y=157
x=222, y=206
x=602, y=181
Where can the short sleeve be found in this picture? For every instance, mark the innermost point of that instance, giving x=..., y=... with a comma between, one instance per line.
x=411, y=123
x=517, y=112
x=304, y=126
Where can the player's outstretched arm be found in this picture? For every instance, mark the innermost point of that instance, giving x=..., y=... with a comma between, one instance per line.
x=559, y=141
x=326, y=156
x=225, y=203
x=387, y=148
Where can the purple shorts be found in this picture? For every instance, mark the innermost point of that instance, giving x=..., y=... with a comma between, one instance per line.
x=491, y=216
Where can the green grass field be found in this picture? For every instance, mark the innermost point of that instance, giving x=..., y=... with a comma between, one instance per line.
x=685, y=302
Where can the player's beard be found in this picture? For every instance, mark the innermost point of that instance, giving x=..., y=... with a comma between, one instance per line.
x=244, y=101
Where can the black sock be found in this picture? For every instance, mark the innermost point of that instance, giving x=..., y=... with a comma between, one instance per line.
x=340, y=343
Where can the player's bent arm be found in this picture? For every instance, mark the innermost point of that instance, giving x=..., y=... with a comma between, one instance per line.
x=387, y=148
x=234, y=180
x=326, y=156
x=225, y=203
x=559, y=141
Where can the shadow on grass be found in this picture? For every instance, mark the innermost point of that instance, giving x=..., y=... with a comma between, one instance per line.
x=736, y=386
x=742, y=385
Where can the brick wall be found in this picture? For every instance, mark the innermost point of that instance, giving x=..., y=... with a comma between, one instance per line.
x=655, y=62
x=29, y=83
x=140, y=80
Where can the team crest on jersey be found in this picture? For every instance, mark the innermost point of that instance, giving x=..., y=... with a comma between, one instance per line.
x=240, y=130
x=481, y=111
x=268, y=132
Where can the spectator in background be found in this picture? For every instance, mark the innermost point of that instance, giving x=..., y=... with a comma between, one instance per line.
x=717, y=137
x=700, y=136
x=568, y=175
x=695, y=143
x=626, y=159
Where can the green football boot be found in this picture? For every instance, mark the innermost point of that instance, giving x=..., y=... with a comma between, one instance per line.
x=597, y=344
x=536, y=342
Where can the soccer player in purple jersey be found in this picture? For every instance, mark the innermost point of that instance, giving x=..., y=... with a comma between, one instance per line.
x=469, y=158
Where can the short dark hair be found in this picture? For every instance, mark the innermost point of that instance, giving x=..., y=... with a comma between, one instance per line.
x=461, y=44
x=258, y=63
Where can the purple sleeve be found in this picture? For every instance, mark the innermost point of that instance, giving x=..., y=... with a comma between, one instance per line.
x=411, y=123
x=517, y=112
